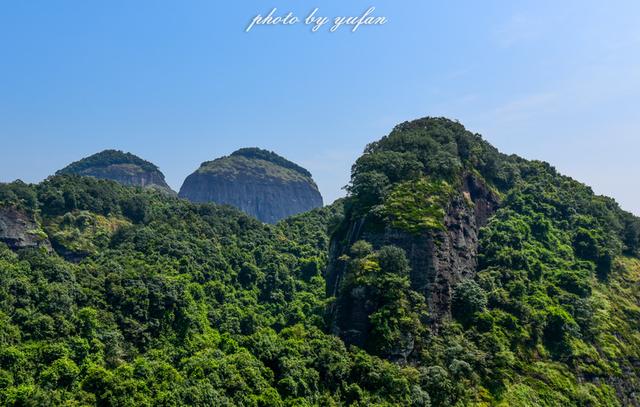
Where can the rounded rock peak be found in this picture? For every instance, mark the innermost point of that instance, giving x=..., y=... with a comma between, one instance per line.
x=123, y=167
x=259, y=182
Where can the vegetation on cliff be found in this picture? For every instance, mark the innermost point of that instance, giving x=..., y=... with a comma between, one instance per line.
x=261, y=165
x=528, y=327
x=106, y=158
x=270, y=156
x=148, y=299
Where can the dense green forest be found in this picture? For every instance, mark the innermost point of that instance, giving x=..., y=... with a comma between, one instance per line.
x=149, y=300
x=172, y=304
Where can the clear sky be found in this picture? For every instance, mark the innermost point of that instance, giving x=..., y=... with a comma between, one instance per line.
x=180, y=82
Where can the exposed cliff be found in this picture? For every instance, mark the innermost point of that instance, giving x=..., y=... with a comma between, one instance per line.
x=439, y=258
x=20, y=230
x=121, y=167
x=258, y=182
x=424, y=199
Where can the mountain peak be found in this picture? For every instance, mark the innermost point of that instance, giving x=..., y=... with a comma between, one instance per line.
x=259, y=182
x=116, y=165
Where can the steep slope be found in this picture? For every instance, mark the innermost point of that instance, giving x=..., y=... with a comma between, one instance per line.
x=121, y=167
x=446, y=239
x=258, y=182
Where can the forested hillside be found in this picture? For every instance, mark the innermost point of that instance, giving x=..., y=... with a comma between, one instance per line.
x=163, y=302
x=490, y=270
x=451, y=275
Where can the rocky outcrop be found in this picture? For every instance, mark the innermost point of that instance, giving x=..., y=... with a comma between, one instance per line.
x=19, y=230
x=128, y=174
x=258, y=182
x=125, y=168
x=439, y=259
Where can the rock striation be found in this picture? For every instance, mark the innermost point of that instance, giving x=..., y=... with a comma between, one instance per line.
x=125, y=168
x=258, y=182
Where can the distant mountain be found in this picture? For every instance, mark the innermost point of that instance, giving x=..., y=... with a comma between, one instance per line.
x=125, y=168
x=259, y=182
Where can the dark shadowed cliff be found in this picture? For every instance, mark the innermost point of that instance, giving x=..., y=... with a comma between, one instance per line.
x=125, y=168
x=259, y=182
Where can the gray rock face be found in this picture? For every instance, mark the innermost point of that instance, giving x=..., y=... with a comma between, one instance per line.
x=267, y=201
x=128, y=174
x=260, y=187
x=439, y=261
x=18, y=230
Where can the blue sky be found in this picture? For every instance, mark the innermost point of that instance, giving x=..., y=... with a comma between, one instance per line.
x=179, y=83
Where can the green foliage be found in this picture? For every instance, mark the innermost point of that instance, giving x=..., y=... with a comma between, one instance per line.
x=258, y=164
x=417, y=205
x=106, y=158
x=468, y=299
x=83, y=232
x=434, y=147
x=397, y=312
x=176, y=304
x=172, y=303
x=18, y=194
x=533, y=315
x=270, y=156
